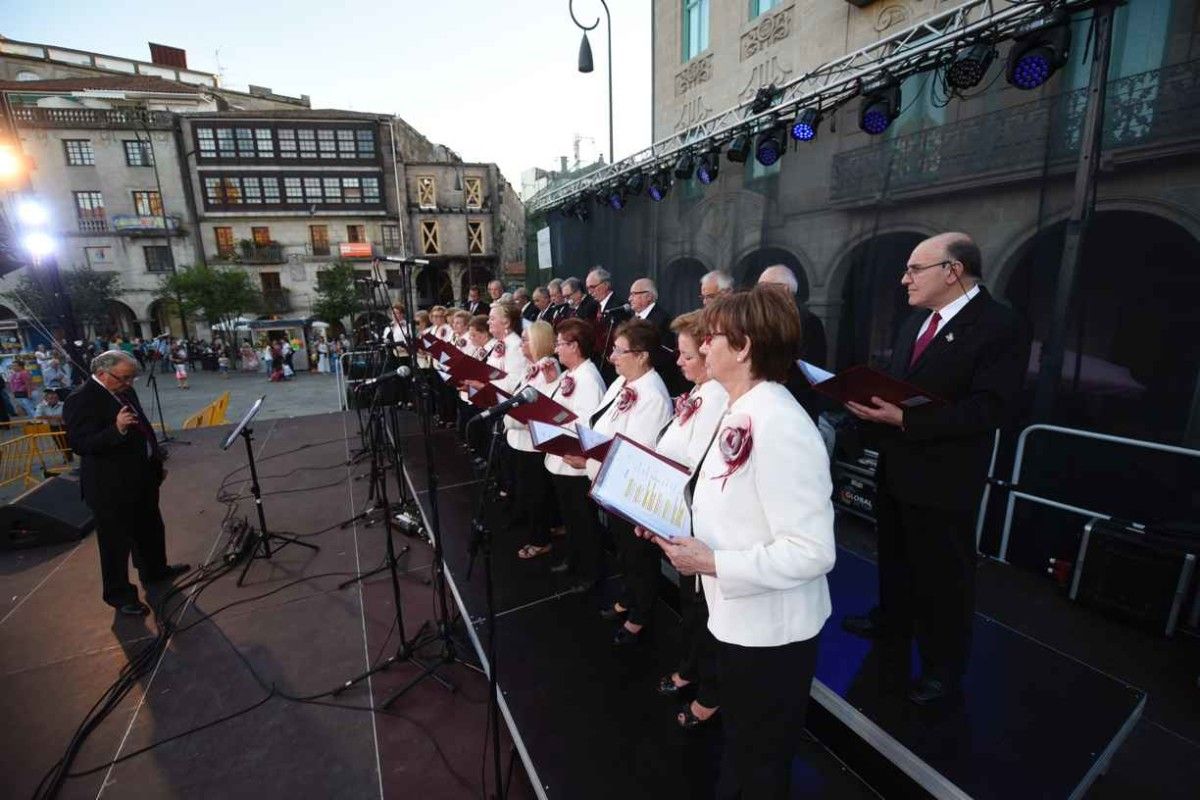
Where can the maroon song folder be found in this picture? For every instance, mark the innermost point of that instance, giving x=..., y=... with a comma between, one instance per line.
x=859, y=384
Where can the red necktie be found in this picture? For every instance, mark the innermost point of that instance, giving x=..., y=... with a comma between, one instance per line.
x=925, y=338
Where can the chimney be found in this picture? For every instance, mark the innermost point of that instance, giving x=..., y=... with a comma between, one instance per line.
x=167, y=56
x=562, y=161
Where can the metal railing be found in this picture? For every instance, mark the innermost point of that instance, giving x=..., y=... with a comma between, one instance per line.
x=93, y=225
x=1016, y=494
x=133, y=119
x=261, y=254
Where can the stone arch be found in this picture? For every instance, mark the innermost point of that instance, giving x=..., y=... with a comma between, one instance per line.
x=120, y=321
x=475, y=275
x=751, y=264
x=679, y=286
x=840, y=262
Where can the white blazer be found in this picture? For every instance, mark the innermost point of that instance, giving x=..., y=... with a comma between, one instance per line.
x=770, y=524
x=584, y=401
x=641, y=423
x=513, y=362
x=517, y=433
x=686, y=442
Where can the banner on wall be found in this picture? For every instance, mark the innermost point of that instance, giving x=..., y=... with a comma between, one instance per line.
x=543, y=245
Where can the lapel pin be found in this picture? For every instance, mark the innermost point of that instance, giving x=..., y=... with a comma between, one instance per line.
x=950, y=336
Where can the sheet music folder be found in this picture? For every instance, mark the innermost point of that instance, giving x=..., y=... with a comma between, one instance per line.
x=644, y=488
x=859, y=384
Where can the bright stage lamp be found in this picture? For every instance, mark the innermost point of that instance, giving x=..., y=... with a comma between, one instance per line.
x=38, y=244
x=10, y=163
x=804, y=127
x=32, y=214
x=1039, y=53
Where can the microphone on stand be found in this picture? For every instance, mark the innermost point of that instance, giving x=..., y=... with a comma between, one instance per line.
x=399, y=372
x=524, y=397
x=624, y=308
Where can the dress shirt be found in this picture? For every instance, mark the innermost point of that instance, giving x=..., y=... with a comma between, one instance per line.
x=641, y=423
x=947, y=312
x=770, y=525
x=685, y=443
x=583, y=402
x=517, y=433
x=645, y=312
x=604, y=303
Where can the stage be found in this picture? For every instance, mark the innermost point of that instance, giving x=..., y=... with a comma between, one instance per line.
x=581, y=717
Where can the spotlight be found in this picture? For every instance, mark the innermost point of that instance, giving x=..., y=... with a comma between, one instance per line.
x=616, y=198
x=38, y=244
x=660, y=184
x=739, y=148
x=1039, y=52
x=684, y=167
x=804, y=127
x=970, y=65
x=634, y=184
x=769, y=147
x=879, y=109
x=11, y=163
x=32, y=214
x=710, y=165
x=764, y=98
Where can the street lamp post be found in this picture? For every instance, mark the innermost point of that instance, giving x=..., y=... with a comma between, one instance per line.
x=585, y=61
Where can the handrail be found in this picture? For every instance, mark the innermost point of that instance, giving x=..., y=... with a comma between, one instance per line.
x=1018, y=463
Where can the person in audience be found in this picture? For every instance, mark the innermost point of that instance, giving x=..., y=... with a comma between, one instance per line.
x=763, y=540
x=534, y=491
x=49, y=409
x=965, y=348
x=638, y=406
x=685, y=441
x=580, y=390
x=53, y=375
x=20, y=383
x=713, y=285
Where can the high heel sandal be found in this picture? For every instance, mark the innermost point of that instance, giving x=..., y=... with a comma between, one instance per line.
x=668, y=688
x=687, y=719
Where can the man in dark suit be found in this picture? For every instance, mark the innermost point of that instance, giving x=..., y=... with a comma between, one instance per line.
x=120, y=473
x=607, y=315
x=474, y=305
x=529, y=309
x=643, y=300
x=970, y=352
x=812, y=341
x=543, y=311
x=558, y=306
x=582, y=306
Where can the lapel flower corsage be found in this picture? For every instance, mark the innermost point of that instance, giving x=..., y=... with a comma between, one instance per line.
x=549, y=368
x=498, y=350
x=568, y=386
x=735, y=442
x=530, y=372
x=685, y=406
x=626, y=399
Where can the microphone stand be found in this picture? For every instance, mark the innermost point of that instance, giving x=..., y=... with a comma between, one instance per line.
x=152, y=382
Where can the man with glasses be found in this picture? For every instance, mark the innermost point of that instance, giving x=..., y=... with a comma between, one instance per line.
x=120, y=474
x=972, y=353
x=643, y=299
x=812, y=340
x=714, y=284
x=599, y=288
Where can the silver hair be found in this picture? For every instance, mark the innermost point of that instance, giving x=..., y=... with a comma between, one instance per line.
x=109, y=359
x=571, y=286
x=520, y=291
x=723, y=279
x=541, y=291
x=554, y=284
x=651, y=288
x=785, y=277
x=602, y=275
x=496, y=281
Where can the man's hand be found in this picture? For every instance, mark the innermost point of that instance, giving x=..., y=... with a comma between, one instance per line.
x=880, y=411
x=126, y=418
x=578, y=462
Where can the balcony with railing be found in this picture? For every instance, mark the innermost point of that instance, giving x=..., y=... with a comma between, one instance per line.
x=93, y=225
x=104, y=118
x=1144, y=111
x=250, y=253
x=276, y=301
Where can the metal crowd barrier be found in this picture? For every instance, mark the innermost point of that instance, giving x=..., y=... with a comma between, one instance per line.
x=1016, y=494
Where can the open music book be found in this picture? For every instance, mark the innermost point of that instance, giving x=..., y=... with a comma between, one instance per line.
x=645, y=488
x=859, y=384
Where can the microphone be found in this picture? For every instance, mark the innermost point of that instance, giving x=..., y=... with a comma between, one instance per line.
x=400, y=372
x=524, y=397
x=420, y=262
x=625, y=307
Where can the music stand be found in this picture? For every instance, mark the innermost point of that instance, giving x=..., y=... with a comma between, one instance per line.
x=260, y=540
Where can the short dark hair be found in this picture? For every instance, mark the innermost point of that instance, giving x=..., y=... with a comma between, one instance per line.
x=579, y=331
x=642, y=335
x=966, y=252
x=765, y=316
x=478, y=323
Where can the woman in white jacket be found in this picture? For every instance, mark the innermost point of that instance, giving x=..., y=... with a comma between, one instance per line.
x=763, y=526
x=534, y=492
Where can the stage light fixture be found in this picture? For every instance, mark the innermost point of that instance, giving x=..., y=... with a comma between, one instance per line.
x=804, y=127
x=32, y=214
x=38, y=243
x=879, y=109
x=764, y=98
x=660, y=184
x=769, y=147
x=11, y=163
x=709, y=167
x=616, y=198
x=739, y=148
x=634, y=183
x=685, y=166
x=1040, y=52
x=969, y=66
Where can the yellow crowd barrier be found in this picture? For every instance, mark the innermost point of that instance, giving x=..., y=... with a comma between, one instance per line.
x=44, y=449
x=211, y=414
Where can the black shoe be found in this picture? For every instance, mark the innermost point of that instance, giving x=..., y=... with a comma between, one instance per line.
x=134, y=609
x=931, y=690
x=668, y=688
x=172, y=571
x=624, y=637
x=612, y=615
x=865, y=626
x=560, y=567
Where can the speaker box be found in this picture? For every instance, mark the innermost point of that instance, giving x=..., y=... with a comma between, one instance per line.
x=50, y=513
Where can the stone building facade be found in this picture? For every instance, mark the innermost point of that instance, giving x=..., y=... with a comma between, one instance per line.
x=845, y=209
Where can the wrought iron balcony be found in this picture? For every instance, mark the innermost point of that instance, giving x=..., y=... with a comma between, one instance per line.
x=111, y=118
x=250, y=253
x=276, y=301
x=1147, y=109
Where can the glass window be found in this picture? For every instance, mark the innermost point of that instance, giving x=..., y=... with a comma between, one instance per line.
x=370, y=188
x=345, y=144
x=333, y=190
x=224, y=237
x=208, y=142
x=366, y=143
x=253, y=190
x=327, y=144
x=231, y=189
x=352, y=190
x=158, y=258
x=245, y=143
x=79, y=152
x=89, y=205
x=212, y=191
x=695, y=28
x=319, y=236
x=430, y=245
x=426, y=192
x=356, y=234
x=225, y=148
x=147, y=204
x=391, y=238
x=762, y=6
x=474, y=192
x=475, y=238
x=308, y=143
x=312, y=190
x=287, y=143
x=261, y=235
x=262, y=138
x=138, y=153
x=292, y=190
x=270, y=187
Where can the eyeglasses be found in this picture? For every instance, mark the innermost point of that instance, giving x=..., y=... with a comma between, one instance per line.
x=912, y=271
x=591, y=286
x=620, y=351
x=562, y=343
x=129, y=379
x=708, y=339
x=639, y=291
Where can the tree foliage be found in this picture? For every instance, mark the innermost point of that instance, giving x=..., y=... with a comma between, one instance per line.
x=337, y=297
x=220, y=294
x=91, y=293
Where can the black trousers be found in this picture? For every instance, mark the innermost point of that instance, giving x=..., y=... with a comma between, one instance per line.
x=639, y=561
x=699, y=662
x=534, y=493
x=583, y=527
x=764, y=696
x=927, y=581
x=129, y=526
